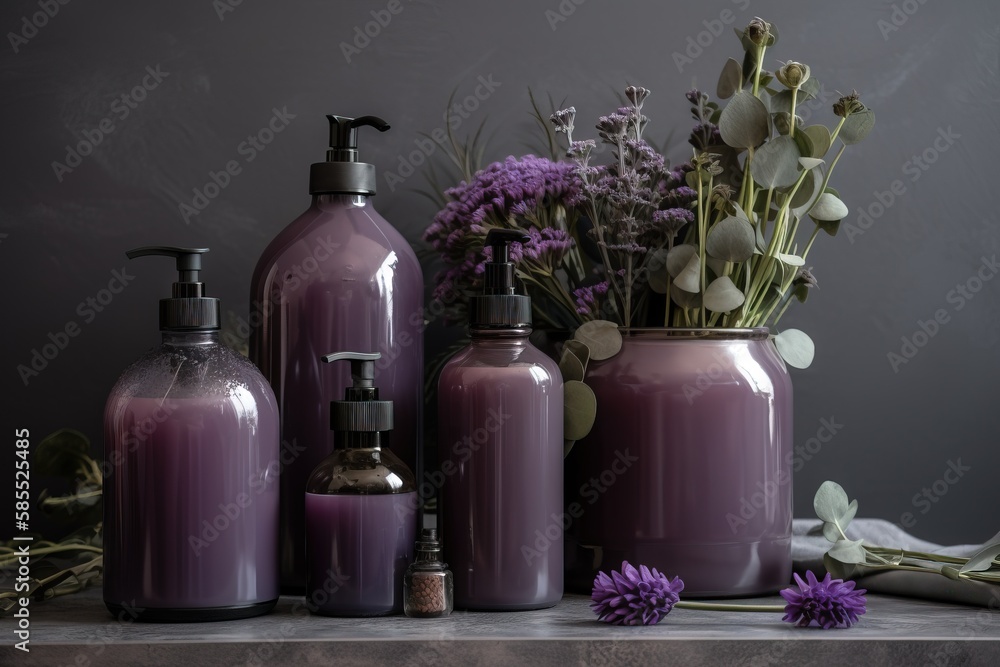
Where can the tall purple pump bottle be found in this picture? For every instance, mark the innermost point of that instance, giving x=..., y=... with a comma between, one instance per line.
x=191, y=471
x=501, y=450
x=337, y=278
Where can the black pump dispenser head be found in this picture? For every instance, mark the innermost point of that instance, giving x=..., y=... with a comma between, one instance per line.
x=188, y=309
x=361, y=410
x=499, y=306
x=342, y=173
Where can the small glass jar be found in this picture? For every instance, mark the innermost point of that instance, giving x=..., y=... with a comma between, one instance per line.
x=428, y=589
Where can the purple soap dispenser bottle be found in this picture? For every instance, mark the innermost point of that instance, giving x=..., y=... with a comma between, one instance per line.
x=191, y=471
x=501, y=450
x=360, y=506
x=337, y=278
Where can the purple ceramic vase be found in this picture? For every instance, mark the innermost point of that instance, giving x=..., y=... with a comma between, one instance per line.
x=689, y=465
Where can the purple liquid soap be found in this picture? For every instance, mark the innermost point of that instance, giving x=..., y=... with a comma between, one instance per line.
x=337, y=278
x=358, y=549
x=198, y=505
x=500, y=421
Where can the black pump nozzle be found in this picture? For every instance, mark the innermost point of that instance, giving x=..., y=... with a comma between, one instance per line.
x=500, y=306
x=361, y=409
x=343, y=173
x=344, y=136
x=499, y=275
x=188, y=308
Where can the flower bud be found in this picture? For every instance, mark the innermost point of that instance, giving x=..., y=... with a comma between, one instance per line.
x=636, y=95
x=848, y=104
x=758, y=31
x=793, y=74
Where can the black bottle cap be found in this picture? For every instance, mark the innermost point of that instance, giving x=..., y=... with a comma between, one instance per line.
x=361, y=409
x=428, y=542
x=342, y=173
x=499, y=306
x=188, y=309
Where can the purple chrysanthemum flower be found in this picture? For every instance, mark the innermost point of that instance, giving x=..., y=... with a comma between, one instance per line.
x=831, y=603
x=634, y=597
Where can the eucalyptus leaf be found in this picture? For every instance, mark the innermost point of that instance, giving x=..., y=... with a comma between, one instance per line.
x=828, y=207
x=730, y=80
x=790, y=260
x=601, y=337
x=684, y=299
x=580, y=410
x=795, y=347
x=678, y=258
x=820, y=136
x=983, y=559
x=782, y=122
x=580, y=349
x=833, y=530
x=731, y=240
x=829, y=226
x=62, y=453
x=857, y=126
x=722, y=296
x=804, y=142
x=744, y=121
x=810, y=162
x=571, y=366
x=689, y=279
x=776, y=163
x=830, y=502
x=658, y=271
x=809, y=89
x=716, y=266
x=806, y=195
x=849, y=551
x=840, y=570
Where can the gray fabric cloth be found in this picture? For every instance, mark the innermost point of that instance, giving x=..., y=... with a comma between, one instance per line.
x=808, y=550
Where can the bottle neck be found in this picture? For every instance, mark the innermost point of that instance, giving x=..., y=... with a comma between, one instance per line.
x=361, y=439
x=191, y=338
x=330, y=201
x=500, y=337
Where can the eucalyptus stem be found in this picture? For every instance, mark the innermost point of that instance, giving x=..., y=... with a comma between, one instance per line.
x=726, y=606
x=809, y=245
x=760, y=63
x=702, y=233
x=791, y=122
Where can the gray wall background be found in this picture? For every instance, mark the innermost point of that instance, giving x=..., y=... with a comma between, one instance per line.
x=927, y=67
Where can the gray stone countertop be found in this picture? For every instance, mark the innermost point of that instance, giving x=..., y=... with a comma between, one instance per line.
x=77, y=630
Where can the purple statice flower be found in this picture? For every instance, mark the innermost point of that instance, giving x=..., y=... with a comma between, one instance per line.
x=589, y=299
x=831, y=603
x=548, y=246
x=634, y=597
x=696, y=97
x=502, y=194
